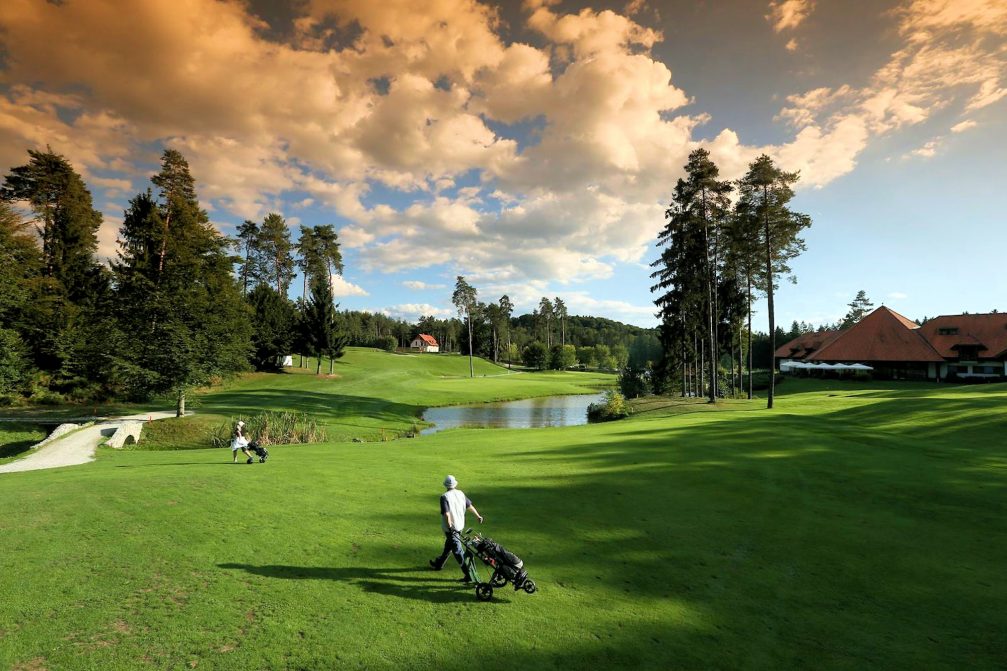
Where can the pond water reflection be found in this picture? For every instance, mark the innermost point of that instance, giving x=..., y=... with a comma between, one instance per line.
x=525, y=414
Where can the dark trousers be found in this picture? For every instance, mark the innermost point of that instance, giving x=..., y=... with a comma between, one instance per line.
x=453, y=546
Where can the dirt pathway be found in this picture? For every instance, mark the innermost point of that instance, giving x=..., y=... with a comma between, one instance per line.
x=75, y=448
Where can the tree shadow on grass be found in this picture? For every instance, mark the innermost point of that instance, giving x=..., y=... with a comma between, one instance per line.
x=16, y=449
x=327, y=406
x=398, y=582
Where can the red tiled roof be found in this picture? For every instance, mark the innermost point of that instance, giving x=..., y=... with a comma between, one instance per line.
x=428, y=339
x=883, y=335
x=988, y=330
x=805, y=344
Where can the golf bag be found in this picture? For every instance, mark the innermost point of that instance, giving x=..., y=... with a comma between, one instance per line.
x=260, y=451
x=507, y=566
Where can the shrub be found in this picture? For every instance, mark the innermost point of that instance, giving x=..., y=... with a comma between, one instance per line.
x=760, y=380
x=272, y=428
x=46, y=397
x=562, y=357
x=613, y=406
x=387, y=343
x=535, y=355
x=634, y=383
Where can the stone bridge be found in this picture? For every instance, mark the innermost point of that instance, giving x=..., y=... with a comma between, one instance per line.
x=126, y=433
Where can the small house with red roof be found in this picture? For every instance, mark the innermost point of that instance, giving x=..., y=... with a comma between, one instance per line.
x=425, y=343
x=957, y=346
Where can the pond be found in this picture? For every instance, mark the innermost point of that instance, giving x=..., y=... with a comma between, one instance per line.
x=526, y=414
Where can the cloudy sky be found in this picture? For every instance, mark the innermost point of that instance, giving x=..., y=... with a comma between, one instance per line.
x=532, y=146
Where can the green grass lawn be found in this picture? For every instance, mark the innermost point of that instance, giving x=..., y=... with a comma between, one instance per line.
x=852, y=527
x=17, y=438
x=372, y=395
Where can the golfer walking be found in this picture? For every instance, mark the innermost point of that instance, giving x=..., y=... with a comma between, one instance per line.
x=454, y=503
x=239, y=442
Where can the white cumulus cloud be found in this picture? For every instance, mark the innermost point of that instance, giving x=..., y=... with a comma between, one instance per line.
x=340, y=288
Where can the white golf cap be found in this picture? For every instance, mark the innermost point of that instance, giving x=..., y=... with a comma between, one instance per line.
x=240, y=423
x=450, y=481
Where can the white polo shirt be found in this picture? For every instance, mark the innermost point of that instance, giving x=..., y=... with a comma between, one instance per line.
x=455, y=502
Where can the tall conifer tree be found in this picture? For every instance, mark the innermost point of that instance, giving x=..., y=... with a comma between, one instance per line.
x=184, y=312
x=767, y=190
x=464, y=299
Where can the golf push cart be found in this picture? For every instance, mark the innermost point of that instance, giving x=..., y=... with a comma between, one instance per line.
x=506, y=567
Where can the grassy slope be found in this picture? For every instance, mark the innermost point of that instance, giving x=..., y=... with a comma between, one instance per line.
x=371, y=395
x=846, y=529
x=374, y=394
x=16, y=439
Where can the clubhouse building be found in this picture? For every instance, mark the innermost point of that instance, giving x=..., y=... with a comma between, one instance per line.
x=969, y=347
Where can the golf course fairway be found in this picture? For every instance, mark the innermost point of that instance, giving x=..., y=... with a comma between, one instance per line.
x=854, y=526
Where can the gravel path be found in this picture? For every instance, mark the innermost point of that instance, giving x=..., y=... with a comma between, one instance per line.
x=75, y=448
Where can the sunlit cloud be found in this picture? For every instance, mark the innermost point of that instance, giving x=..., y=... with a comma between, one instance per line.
x=341, y=288
x=401, y=132
x=413, y=311
x=418, y=285
x=789, y=14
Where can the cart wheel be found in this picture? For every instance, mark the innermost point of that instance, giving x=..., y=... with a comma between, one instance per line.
x=498, y=580
x=484, y=591
x=530, y=587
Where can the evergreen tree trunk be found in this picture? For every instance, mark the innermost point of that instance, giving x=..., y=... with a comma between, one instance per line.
x=749, y=358
x=709, y=300
x=732, y=371
x=741, y=362
x=164, y=240
x=180, y=404
x=685, y=372
x=472, y=372
x=244, y=272
x=769, y=301
x=702, y=368
x=331, y=361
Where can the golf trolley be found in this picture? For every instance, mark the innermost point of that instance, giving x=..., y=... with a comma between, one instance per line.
x=506, y=567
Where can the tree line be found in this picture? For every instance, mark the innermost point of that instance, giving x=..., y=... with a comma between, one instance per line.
x=181, y=305
x=168, y=313
x=717, y=256
x=548, y=338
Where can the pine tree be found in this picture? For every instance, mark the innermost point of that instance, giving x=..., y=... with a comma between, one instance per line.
x=464, y=299
x=69, y=276
x=185, y=314
x=687, y=271
x=545, y=311
x=177, y=189
x=860, y=307
x=765, y=192
x=276, y=253
x=273, y=327
x=559, y=308
x=66, y=221
x=248, y=238
x=322, y=335
x=506, y=309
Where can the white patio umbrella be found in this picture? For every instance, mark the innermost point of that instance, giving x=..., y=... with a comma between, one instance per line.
x=859, y=366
